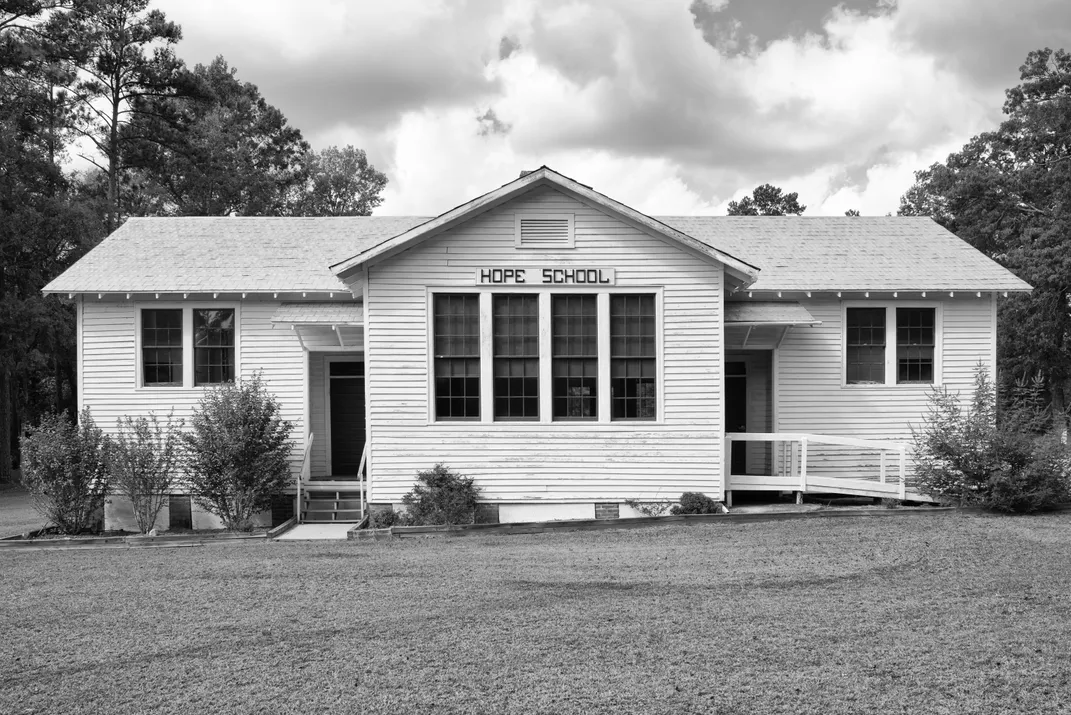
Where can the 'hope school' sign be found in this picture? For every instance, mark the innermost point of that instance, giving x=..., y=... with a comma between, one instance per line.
x=545, y=276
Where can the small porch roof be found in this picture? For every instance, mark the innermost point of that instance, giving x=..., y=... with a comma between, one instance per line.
x=322, y=314
x=786, y=312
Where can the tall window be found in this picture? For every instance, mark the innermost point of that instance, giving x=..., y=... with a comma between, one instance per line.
x=575, y=355
x=161, y=347
x=865, y=345
x=915, y=340
x=456, y=326
x=633, y=379
x=515, y=344
x=213, y=346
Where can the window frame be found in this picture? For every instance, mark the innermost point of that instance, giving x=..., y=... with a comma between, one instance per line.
x=891, y=353
x=188, y=359
x=546, y=410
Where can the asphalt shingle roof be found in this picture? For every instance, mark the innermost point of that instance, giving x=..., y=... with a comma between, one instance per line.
x=175, y=255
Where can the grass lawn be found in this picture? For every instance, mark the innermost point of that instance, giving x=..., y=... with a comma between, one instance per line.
x=940, y=614
x=17, y=514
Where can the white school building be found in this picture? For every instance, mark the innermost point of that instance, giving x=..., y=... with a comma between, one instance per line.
x=565, y=350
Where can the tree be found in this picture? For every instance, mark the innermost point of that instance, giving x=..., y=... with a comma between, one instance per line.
x=219, y=151
x=117, y=78
x=43, y=229
x=1008, y=194
x=341, y=183
x=143, y=464
x=852, y=212
x=767, y=200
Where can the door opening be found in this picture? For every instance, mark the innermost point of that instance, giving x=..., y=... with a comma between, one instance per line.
x=346, y=418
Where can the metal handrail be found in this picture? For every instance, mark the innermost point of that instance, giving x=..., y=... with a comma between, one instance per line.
x=303, y=476
x=362, y=477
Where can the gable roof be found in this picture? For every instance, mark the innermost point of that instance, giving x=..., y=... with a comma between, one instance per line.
x=851, y=253
x=545, y=176
x=201, y=254
x=287, y=255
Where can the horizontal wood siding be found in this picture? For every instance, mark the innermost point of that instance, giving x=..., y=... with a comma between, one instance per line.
x=811, y=396
x=559, y=461
x=110, y=365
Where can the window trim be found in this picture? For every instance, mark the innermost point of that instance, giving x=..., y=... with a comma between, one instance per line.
x=891, y=370
x=187, y=308
x=602, y=294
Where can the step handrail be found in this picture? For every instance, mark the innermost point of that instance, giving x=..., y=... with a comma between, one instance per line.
x=362, y=476
x=304, y=474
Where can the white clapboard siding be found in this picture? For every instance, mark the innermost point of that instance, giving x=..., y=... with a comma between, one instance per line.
x=109, y=366
x=562, y=461
x=812, y=397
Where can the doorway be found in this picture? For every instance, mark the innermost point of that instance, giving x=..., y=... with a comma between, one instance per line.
x=736, y=412
x=346, y=416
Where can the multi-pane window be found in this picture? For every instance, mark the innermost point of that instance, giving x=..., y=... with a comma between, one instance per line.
x=515, y=348
x=915, y=341
x=213, y=346
x=575, y=356
x=456, y=326
x=865, y=346
x=161, y=347
x=633, y=379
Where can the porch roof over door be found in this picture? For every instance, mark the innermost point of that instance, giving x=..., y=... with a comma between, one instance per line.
x=324, y=326
x=762, y=325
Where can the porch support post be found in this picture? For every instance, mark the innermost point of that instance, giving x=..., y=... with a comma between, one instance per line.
x=903, y=472
x=803, y=464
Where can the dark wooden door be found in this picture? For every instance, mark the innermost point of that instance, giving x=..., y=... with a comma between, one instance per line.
x=347, y=417
x=736, y=419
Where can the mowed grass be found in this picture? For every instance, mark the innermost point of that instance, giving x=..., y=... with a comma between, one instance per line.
x=937, y=614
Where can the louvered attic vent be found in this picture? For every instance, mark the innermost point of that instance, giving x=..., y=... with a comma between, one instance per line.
x=544, y=231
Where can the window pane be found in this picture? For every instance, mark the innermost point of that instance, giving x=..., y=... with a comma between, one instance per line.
x=633, y=386
x=161, y=347
x=213, y=346
x=515, y=342
x=575, y=350
x=864, y=345
x=456, y=326
x=915, y=341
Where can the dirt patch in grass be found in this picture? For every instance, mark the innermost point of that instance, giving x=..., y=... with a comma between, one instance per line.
x=954, y=614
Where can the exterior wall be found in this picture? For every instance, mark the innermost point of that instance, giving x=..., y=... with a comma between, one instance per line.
x=109, y=364
x=811, y=395
x=547, y=461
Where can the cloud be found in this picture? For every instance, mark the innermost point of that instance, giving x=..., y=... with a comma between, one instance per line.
x=673, y=105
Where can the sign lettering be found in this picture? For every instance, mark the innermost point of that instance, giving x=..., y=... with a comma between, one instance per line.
x=546, y=276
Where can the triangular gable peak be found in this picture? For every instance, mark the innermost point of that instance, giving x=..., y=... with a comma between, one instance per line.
x=742, y=272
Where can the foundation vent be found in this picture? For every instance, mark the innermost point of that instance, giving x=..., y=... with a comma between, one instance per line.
x=544, y=231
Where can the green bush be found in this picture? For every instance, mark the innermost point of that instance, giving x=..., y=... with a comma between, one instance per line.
x=385, y=518
x=966, y=455
x=238, y=450
x=64, y=469
x=696, y=503
x=143, y=464
x=441, y=497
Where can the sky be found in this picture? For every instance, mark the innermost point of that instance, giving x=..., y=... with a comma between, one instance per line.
x=671, y=106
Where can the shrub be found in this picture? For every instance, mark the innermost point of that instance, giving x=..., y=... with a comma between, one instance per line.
x=696, y=503
x=441, y=497
x=63, y=467
x=238, y=450
x=650, y=508
x=385, y=518
x=963, y=455
x=143, y=463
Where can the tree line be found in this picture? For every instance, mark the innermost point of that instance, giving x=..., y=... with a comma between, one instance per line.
x=98, y=83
